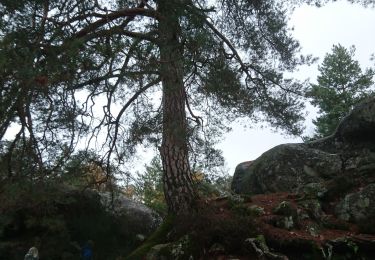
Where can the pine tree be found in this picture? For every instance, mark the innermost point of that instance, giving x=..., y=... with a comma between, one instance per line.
x=73, y=69
x=149, y=186
x=341, y=85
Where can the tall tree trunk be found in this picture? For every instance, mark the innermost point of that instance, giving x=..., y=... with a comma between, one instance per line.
x=178, y=186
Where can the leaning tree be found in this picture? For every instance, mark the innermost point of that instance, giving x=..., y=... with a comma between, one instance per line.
x=129, y=72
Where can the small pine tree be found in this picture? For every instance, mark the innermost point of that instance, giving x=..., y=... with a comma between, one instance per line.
x=341, y=84
x=149, y=186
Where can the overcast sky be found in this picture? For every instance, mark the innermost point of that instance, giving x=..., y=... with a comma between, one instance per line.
x=317, y=29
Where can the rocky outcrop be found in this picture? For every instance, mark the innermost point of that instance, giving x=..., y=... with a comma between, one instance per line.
x=285, y=168
x=63, y=218
x=359, y=125
x=321, y=191
x=140, y=218
x=284, y=226
x=240, y=172
x=358, y=206
x=337, y=173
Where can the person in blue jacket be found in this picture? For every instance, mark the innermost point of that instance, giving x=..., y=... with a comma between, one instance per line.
x=87, y=253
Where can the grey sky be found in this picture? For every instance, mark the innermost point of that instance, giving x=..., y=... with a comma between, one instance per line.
x=317, y=29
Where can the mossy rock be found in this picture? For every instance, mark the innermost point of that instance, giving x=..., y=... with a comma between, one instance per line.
x=313, y=208
x=157, y=238
x=285, y=208
x=285, y=168
x=358, y=207
x=315, y=190
x=61, y=216
x=178, y=250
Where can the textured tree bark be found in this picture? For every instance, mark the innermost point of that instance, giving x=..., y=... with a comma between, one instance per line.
x=178, y=185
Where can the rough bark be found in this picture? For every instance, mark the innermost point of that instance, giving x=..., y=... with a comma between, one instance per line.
x=178, y=185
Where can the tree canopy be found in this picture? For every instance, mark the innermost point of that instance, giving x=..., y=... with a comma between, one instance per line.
x=340, y=85
x=117, y=74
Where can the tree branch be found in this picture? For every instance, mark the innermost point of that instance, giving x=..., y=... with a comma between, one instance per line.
x=230, y=46
x=245, y=67
x=197, y=119
x=121, y=31
x=122, y=111
x=126, y=12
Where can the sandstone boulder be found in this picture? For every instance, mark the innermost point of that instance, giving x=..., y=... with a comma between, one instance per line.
x=336, y=172
x=134, y=215
x=359, y=206
x=67, y=217
x=359, y=125
x=288, y=168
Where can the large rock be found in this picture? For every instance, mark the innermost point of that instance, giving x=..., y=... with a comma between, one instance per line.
x=358, y=206
x=359, y=125
x=287, y=168
x=141, y=218
x=63, y=218
x=337, y=171
x=240, y=171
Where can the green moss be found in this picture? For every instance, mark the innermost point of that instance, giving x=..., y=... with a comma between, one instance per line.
x=158, y=237
x=237, y=205
x=181, y=249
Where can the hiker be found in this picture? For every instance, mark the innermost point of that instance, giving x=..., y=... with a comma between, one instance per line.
x=32, y=254
x=87, y=250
